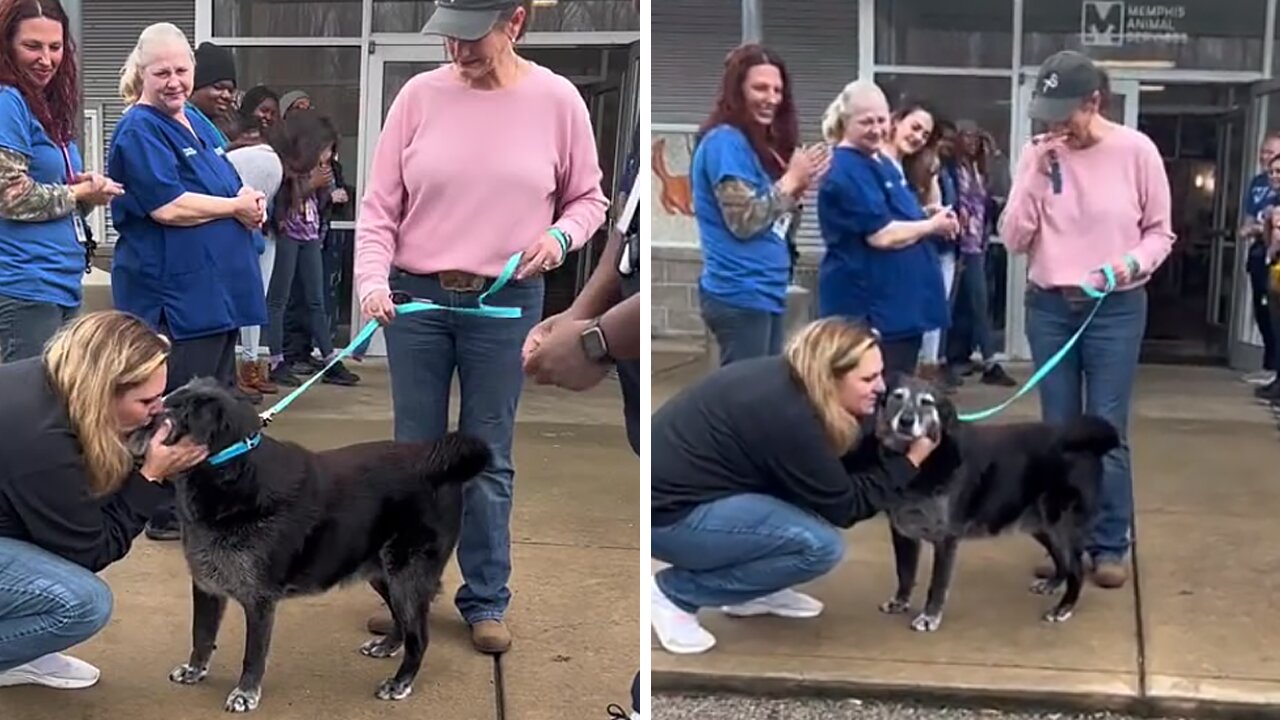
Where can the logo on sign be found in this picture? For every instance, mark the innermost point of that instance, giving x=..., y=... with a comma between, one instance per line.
x=1102, y=23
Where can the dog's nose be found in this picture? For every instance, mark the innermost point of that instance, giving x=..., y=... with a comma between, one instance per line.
x=906, y=423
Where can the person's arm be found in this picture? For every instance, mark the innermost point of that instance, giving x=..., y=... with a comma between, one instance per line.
x=582, y=202
x=22, y=199
x=728, y=161
x=621, y=327
x=902, y=233
x=148, y=170
x=1020, y=222
x=61, y=517
x=382, y=207
x=1156, y=224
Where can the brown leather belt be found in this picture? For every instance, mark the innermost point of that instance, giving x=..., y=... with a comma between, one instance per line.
x=458, y=281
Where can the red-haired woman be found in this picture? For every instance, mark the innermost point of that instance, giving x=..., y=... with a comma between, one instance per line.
x=42, y=183
x=748, y=179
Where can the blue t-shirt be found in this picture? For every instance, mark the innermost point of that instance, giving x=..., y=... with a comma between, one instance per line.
x=899, y=292
x=1259, y=197
x=39, y=261
x=751, y=273
x=204, y=279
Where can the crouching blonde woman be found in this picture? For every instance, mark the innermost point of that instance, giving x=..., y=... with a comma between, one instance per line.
x=71, y=499
x=756, y=469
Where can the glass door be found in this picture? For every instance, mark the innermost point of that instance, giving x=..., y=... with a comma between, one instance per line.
x=1123, y=109
x=1245, y=349
x=390, y=67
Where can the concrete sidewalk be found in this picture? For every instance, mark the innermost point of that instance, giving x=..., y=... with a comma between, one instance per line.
x=574, y=613
x=1194, y=632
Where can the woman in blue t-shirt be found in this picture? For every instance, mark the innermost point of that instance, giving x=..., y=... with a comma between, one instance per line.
x=186, y=259
x=43, y=187
x=875, y=268
x=748, y=177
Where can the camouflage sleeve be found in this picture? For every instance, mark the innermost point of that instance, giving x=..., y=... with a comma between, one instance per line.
x=748, y=212
x=25, y=200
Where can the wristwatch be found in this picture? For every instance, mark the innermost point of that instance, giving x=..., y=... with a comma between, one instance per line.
x=594, y=345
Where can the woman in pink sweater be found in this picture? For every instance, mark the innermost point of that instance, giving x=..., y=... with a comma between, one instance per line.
x=489, y=156
x=1089, y=194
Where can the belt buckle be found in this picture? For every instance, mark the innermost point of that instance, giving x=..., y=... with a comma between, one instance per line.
x=458, y=281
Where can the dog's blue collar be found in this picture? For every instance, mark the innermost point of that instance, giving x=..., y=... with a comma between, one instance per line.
x=236, y=450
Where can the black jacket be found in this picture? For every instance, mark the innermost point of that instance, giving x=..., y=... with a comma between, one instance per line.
x=750, y=428
x=44, y=486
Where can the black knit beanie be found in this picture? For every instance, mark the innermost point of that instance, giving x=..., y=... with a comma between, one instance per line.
x=213, y=65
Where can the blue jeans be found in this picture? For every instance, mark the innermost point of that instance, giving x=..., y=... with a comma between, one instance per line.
x=47, y=604
x=303, y=260
x=1096, y=377
x=971, y=324
x=423, y=351
x=742, y=333
x=26, y=325
x=740, y=548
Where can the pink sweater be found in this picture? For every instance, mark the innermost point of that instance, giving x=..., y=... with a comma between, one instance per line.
x=1114, y=201
x=462, y=179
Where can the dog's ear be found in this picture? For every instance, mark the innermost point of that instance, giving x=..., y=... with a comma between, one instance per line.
x=947, y=414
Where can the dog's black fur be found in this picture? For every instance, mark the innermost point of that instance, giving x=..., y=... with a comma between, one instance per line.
x=983, y=480
x=283, y=521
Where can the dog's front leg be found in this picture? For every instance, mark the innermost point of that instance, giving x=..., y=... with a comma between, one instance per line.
x=944, y=562
x=906, y=556
x=259, y=619
x=206, y=618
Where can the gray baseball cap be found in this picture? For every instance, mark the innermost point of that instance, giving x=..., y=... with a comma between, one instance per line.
x=466, y=19
x=1065, y=80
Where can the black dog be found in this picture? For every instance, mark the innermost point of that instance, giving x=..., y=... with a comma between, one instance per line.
x=281, y=521
x=983, y=480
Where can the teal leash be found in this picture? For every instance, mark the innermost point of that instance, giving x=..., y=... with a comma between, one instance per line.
x=410, y=306
x=1054, y=361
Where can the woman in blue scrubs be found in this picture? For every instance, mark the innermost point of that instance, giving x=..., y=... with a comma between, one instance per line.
x=185, y=260
x=43, y=187
x=876, y=269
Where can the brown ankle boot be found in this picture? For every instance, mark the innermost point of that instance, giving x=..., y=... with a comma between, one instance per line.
x=244, y=381
x=1111, y=574
x=491, y=637
x=262, y=378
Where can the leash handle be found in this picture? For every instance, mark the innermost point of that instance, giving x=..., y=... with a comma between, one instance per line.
x=412, y=305
x=1053, y=362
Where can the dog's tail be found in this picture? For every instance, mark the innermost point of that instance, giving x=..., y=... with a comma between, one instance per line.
x=455, y=458
x=1090, y=434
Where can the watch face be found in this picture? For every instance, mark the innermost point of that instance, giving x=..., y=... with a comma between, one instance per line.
x=593, y=344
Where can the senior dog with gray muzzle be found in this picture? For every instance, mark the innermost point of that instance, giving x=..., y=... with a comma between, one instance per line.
x=985, y=480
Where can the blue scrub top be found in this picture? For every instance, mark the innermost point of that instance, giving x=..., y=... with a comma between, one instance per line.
x=39, y=261
x=899, y=292
x=201, y=280
x=751, y=273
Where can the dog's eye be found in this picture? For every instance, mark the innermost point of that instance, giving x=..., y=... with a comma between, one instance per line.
x=926, y=400
x=900, y=394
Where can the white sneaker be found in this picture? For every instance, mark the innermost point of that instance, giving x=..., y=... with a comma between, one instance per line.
x=1261, y=377
x=677, y=630
x=54, y=670
x=784, y=603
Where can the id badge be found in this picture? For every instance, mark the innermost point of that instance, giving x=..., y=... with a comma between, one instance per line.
x=82, y=236
x=782, y=225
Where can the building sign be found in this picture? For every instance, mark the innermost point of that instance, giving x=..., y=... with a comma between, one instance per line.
x=1113, y=24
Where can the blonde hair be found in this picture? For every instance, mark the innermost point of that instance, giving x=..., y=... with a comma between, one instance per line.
x=90, y=362
x=820, y=355
x=154, y=37
x=855, y=96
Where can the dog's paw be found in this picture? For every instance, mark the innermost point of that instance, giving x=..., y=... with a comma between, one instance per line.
x=925, y=622
x=895, y=606
x=243, y=701
x=380, y=647
x=1047, y=586
x=187, y=675
x=1059, y=614
x=392, y=689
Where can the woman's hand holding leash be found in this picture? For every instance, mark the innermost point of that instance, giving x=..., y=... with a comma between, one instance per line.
x=546, y=254
x=379, y=307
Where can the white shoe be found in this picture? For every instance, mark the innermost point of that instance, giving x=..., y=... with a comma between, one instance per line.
x=1261, y=377
x=54, y=670
x=678, y=631
x=784, y=603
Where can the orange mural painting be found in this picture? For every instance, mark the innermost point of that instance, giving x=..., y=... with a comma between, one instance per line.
x=676, y=194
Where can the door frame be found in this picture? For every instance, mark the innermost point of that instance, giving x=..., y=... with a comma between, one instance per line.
x=1245, y=344
x=371, y=130
x=1016, y=346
